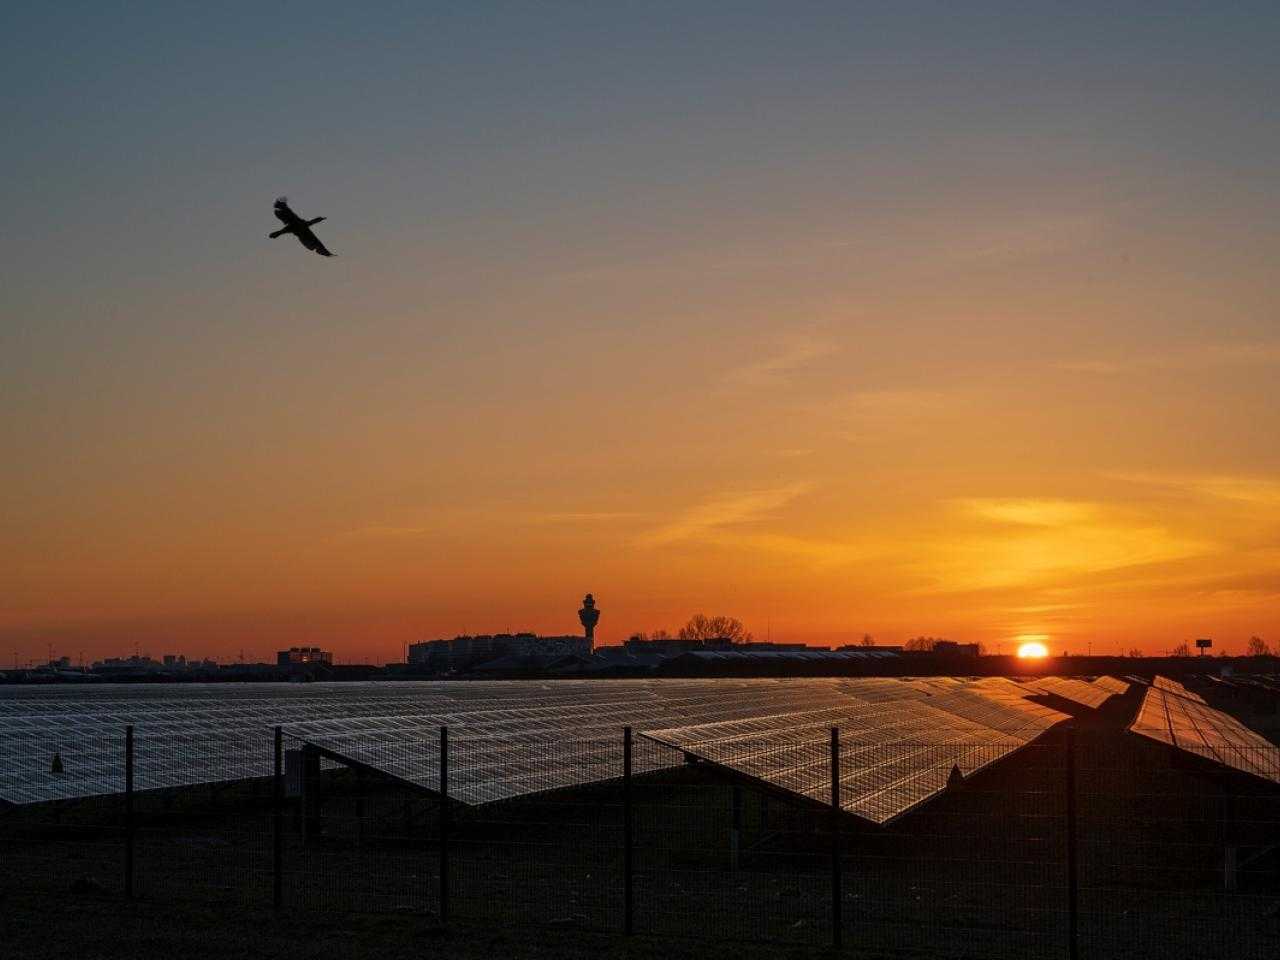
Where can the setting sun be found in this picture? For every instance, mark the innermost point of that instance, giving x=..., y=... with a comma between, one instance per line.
x=1032, y=649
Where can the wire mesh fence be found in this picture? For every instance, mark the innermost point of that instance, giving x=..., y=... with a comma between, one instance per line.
x=1080, y=844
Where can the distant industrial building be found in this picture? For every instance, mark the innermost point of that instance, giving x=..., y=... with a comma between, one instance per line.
x=505, y=651
x=466, y=651
x=949, y=648
x=302, y=656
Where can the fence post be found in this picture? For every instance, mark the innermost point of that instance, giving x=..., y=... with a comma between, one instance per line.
x=1072, y=867
x=277, y=824
x=128, y=812
x=444, y=824
x=837, y=891
x=311, y=820
x=628, y=893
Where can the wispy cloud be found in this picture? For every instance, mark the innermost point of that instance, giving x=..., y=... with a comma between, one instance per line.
x=386, y=532
x=795, y=353
x=723, y=511
x=1037, y=542
x=866, y=414
x=1031, y=512
x=1257, y=490
x=603, y=516
x=729, y=520
x=1192, y=357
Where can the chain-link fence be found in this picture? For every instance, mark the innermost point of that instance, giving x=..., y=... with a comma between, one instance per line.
x=1083, y=843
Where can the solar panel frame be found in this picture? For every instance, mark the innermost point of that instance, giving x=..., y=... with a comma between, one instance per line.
x=1196, y=728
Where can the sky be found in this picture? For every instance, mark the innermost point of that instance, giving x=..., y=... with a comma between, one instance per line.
x=841, y=318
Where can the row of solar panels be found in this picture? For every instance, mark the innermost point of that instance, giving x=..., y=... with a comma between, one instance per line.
x=1176, y=716
x=902, y=737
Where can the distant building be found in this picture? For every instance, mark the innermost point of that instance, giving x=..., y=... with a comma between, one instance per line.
x=434, y=654
x=949, y=648
x=467, y=652
x=863, y=646
x=300, y=656
x=127, y=665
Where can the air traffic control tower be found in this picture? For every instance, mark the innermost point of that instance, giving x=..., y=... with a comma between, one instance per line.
x=589, y=615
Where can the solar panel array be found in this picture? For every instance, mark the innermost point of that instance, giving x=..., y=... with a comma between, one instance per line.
x=508, y=738
x=571, y=739
x=180, y=741
x=894, y=754
x=1185, y=721
x=1088, y=693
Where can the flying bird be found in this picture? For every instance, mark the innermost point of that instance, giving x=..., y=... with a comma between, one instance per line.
x=298, y=227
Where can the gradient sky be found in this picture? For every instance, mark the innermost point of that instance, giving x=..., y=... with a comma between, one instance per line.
x=895, y=318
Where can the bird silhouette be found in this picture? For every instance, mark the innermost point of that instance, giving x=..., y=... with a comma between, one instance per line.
x=298, y=227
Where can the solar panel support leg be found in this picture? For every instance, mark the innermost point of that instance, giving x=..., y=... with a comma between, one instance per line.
x=837, y=880
x=359, y=805
x=444, y=824
x=1073, y=889
x=735, y=831
x=628, y=891
x=1231, y=853
x=277, y=823
x=310, y=794
x=128, y=812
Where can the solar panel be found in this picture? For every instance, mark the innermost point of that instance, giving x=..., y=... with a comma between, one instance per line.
x=508, y=738
x=503, y=753
x=1118, y=687
x=203, y=736
x=1174, y=687
x=1194, y=726
x=1078, y=691
x=895, y=754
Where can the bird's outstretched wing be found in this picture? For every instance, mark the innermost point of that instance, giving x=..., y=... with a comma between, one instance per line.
x=284, y=214
x=312, y=242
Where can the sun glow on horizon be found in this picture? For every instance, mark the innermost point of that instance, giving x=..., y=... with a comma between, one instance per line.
x=1032, y=649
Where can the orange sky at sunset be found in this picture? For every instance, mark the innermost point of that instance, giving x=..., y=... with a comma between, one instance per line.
x=860, y=349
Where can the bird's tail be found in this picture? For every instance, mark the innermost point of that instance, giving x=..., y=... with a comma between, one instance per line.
x=278, y=233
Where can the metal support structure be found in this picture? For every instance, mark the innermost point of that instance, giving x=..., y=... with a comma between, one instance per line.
x=837, y=880
x=277, y=824
x=628, y=890
x=128, y=812
x=444, y=824
x=1073, y=890
x=310, y=794
x=1231, y=852
x=735, y=829
x=360, y=811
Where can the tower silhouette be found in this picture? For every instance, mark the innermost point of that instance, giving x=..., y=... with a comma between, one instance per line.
x=589, y=616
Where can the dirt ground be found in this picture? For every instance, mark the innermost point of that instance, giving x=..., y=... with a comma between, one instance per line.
x=102, y=929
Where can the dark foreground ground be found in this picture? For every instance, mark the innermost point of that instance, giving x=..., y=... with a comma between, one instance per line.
x=105, y=930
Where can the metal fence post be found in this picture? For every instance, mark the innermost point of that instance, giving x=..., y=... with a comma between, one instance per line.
x=128, y=811
x=628, y=893
x=311, y=819
x=837, y=885
x=1072, y=867
x=277, y=824
x=444, y=824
